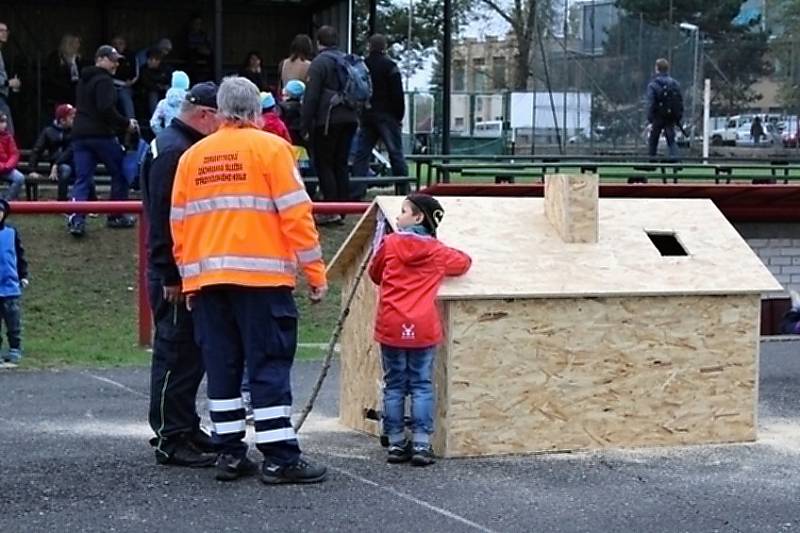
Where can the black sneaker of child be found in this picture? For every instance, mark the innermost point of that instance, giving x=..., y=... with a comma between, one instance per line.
x=399, y=453
x=231, y=468
x=300, y=472
x=422, y=455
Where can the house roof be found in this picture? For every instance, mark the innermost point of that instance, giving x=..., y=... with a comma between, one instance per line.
x=517, y=253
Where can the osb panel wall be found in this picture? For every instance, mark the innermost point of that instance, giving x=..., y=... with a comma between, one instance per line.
x=571, y=206
x=539, y=375
x=361, y=374
x=441, y=382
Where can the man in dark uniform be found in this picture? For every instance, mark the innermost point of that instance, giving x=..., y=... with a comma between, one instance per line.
x=177, y=363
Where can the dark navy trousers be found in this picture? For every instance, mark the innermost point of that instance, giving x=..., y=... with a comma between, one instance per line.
x=237, y=326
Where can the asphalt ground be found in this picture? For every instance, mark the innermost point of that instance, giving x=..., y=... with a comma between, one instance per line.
x=74, y=457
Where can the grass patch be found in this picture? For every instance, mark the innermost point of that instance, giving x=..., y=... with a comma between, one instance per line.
x=81, y=307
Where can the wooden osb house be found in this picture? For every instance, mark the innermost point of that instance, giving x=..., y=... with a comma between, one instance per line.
x=582, y=324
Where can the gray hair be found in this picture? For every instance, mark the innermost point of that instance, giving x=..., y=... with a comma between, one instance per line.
x=238, y=100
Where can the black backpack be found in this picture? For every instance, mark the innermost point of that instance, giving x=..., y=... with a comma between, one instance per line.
x=668, y=101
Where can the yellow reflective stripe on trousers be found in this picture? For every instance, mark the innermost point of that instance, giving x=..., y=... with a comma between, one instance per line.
x=221, y=406
x=238, y=262
x=275, y=435
x=224, y=203
x=226, y=428
x=309, y=256
x=270, y=413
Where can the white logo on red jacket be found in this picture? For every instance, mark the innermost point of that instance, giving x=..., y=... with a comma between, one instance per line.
x=408, y=332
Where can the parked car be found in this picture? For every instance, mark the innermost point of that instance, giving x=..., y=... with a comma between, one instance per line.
x=727, y=136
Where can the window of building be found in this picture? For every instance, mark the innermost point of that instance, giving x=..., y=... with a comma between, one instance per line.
x=499, y=72
x=459, y=75
x=478, y=75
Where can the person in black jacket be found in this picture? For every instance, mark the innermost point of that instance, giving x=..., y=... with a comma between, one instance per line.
x=382, y=120
x=664, y=108
x=97, y=124
x=330, y=128
x=54, y=142
x=177, y=367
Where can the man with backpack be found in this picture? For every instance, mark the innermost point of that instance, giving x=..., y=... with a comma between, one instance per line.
x=664, y=108
x=335, y=90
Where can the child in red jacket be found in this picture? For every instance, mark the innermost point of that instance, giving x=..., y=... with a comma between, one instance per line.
x=409, y=267
x=9, y=158
x=272, y=122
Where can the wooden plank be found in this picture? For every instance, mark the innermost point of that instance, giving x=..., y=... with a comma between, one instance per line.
x=568, y=374
x=570, y=204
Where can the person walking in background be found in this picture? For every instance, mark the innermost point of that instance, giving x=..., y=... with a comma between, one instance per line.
x=329, y=124
x=13, y=279
x=383, y=119
x=7, y=84
x=62, y=70
x=169, y=107
x=152, y=84
x=177, y=367
x=295, y=67
x=239, y=281
x=757, y=130
x=97, y=124
x=664, y=109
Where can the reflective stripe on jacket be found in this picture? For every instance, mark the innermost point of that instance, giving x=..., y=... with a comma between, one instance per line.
x=240, y=214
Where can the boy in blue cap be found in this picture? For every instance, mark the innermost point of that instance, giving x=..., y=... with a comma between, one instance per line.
x=13, y=278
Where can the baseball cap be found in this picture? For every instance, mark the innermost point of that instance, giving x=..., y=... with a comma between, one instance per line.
x=63, y=111
x=432, y=211
x=204, y=94
x=107, y=51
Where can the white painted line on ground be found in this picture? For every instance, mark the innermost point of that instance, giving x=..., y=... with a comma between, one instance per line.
x=117, y=384
x=403, y=495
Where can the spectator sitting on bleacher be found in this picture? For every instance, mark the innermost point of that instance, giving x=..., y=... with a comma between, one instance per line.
x=153, y=82
x=54, y=142
x=272, y=122
x=169, y=107
x=9, y=158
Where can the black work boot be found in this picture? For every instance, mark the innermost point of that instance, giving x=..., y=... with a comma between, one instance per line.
x=186, y=454
x=231, y=468
x=203, y=442
x=300, y=472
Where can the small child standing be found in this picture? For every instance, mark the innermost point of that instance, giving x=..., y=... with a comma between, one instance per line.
x=291, y=109
x=409, y=267
x=13, y=278
x=170, y=106
x=272, y=122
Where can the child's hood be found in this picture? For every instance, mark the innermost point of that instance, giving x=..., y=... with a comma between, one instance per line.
x=175, y=96
x=413, y=249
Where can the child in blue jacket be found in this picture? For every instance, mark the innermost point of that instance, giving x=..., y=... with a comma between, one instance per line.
x=13, y=278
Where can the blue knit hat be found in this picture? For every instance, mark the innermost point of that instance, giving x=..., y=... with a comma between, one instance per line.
x=295, y=88
x=180, y=80
x=267, y=100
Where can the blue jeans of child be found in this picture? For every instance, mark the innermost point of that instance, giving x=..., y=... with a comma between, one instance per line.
x=408, y=373
x=16, y=180
x=11, y=316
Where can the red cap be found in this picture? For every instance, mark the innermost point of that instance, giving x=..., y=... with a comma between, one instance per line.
x=63, y=111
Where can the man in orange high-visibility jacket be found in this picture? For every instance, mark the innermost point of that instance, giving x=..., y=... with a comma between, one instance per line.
x=241, y=224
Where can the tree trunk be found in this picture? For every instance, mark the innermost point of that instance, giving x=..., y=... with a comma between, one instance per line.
x=522, y=69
